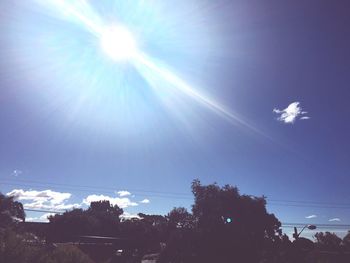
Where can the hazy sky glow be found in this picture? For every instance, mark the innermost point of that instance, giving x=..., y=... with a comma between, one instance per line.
x=249, y=93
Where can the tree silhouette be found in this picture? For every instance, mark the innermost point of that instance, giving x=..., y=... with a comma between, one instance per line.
x=228, y=227
x=101, y=218
x=224, y=226
x=107, y=217
x=346, y=241
x=328, y=241
x=154, y=227
x=179, y=217
x=10, y=211
x=232, y=226
x=181, y=236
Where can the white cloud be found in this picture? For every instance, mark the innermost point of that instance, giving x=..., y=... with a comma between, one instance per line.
x=123, y=193
x=46, y=195
x=122, y=202
x=43, y=218
x=46, y=199
x=336, y=219
x=59, y=201
x=291, y=113
x=311, y=216
x=145, y=201
x=126, y=216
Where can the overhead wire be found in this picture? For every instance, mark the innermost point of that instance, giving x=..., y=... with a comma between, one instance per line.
x=162, y=194
x=283, y=224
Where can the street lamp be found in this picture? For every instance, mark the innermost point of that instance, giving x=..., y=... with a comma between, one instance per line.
x=296, y=234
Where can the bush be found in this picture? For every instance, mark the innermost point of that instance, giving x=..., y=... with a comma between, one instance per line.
x=65, y=254
x=13, y=249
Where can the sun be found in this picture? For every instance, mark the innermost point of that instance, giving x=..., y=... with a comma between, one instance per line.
x=118, y=43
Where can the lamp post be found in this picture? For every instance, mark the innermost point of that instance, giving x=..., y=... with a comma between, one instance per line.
x=296, y=234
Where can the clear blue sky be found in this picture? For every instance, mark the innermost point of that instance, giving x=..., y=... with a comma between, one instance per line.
x=69, y=114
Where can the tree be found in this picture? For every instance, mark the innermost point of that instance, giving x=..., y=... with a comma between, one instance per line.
x=64, y=254
x=101, y=218
x=330, y=248
x=346, y=241
x=328, y=241
x=12, y=247
x=232, y=226
x=105, y=208
x=179, y=217
x=181, y=236
x=154, y=227
x=225, y=227
x=10, y=211
x=107, y=216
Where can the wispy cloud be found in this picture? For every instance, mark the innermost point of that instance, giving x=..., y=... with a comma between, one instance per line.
x=123, y=193
x=122, y=202
x=292, y=113
x=311, y=216
x=145, y=201
x=46, y=199
x=16, y=173
x=336, y=219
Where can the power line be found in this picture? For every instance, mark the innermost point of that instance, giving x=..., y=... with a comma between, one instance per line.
x=322, y=228
x=309, y=206
x=283, y=224
x=44, y=211
x=74, y=186
x=309, y=202
x=155, y=194
x=171, y=195
x=318, y=225
x=95, y=187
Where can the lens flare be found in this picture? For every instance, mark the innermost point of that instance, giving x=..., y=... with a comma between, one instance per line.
x=118, y=43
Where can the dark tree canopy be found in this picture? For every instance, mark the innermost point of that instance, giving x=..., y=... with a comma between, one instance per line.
x=225, y=207
x=346, y=241
x=179, y=217
x=328, y=241
x=232, y=226
x=227, y=226
x=10, y=211
x=101, y=218
x=224, y=226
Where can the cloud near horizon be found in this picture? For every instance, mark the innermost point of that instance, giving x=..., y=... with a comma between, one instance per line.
x=292, y=113
x=336, y=219
x=122, y=202
x=311, y=216
x=43, y=218
x=46, y=199
x=126, y=216
x=61, y=201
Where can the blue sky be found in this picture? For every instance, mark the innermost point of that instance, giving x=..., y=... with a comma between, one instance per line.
x=72, y=117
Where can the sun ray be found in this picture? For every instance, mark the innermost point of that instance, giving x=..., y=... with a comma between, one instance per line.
x=79, y=11
x=143, y=61
x=119, y=44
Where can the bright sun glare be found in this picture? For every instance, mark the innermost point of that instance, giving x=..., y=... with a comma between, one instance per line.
x=118, y=43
